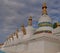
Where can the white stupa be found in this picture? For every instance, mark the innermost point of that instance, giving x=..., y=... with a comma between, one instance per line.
x=56, y=31
x=29, y=29
x=20, y=35
x=45, y=22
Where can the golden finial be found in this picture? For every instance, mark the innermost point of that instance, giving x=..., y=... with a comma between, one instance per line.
x=44, y=8
x=30, y=21
x=58, y=24
x=22, y=25
x=30, y=18
x=23, y=29
x=14, y=34
x=11, y=36
x=17, y=33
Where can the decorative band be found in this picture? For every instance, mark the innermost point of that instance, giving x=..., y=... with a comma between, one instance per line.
x=45, y=31
x=45, y=24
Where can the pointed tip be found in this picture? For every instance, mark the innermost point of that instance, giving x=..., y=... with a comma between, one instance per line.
x=44, y=8
x=44, y=5
x=30, y=17
x=22, y=25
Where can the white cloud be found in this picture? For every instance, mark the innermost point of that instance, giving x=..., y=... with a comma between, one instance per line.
x=14, y=3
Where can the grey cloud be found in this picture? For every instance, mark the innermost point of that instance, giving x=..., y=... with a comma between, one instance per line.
x=15, y=12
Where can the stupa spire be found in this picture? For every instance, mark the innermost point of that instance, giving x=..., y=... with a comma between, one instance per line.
x=17, y=33
x=44, y=8
x=11, y=36
x=23, y=29
x=30, y=21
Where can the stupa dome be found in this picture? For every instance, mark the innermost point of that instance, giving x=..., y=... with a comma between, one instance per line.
x=45, y=22
x=45, y=18
x=57, y=29
x=29, y=30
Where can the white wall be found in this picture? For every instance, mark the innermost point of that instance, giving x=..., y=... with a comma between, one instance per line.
x=51, y=47
x=36, y=47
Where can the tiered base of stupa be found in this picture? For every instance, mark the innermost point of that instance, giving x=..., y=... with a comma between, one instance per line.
x=40, y=43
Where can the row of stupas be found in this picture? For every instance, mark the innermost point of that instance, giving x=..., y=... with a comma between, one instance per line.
x=44, y=26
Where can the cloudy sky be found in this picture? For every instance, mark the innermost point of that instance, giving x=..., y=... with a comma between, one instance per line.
x=15, y=12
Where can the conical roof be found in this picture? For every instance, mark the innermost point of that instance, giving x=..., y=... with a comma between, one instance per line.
x=45, y=18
